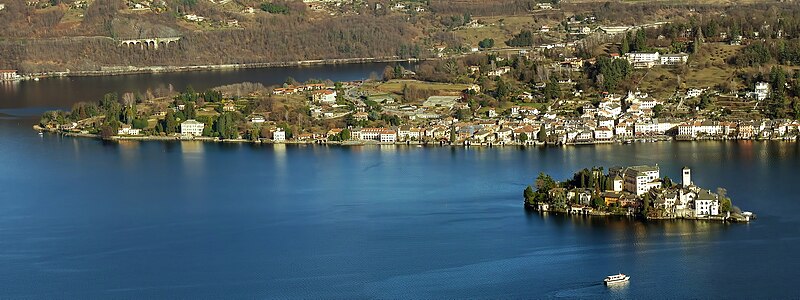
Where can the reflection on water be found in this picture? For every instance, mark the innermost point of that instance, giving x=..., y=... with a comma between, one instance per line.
x=317, y=221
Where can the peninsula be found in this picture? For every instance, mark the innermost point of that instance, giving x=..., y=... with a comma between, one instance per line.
x=632, y=191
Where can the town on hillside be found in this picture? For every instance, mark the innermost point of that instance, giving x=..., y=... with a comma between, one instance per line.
x=632, y=191
x=580, y=78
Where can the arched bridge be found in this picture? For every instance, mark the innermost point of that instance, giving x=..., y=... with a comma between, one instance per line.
x=150, y=43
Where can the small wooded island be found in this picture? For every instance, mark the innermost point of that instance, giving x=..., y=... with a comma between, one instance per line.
x=632, y=191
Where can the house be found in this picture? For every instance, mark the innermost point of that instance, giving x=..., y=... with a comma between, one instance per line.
x=640, y=179
x=761, y=91
x=584, y=136
x=336, y=131
x=194, y=18
x=641, y=60
x=674, y=59
x=8, y=75
x=603, y=133
x=504, y=135
x=499, y=71
x=372, y=133
x=279, y=135
x=258, y=119
x=611, y=198
x=361, y=116
x=388, y=136
x=706, y=204
x=229, y=106
x=126, y=129
x=695, y=128
x=324, y=97
x=692, y=93
x=192, y=128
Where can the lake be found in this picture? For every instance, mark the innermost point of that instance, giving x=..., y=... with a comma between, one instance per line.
x=82, y=218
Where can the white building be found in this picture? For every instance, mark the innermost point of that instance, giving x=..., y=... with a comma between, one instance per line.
x=279, y=135
x=499, y=71
x=126, y=129
x=369, y=134
x=761, y=91
x=693, y=129
x=603, y=133
x=686, y=177
x=388, y=136
x=192, y=128
x=706, y=204
x=325, y=97
x=641, y=179
x=674, y=59
x=692, y=93
x=643, y=60
x=8, y=75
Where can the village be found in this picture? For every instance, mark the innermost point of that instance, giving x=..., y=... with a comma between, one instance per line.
x=632, y=191
x=598, y=84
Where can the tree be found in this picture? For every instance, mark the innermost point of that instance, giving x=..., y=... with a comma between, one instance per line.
x=486, y=43
x=640, y=41
x=625, y=45
x=274, y=8
x=523, y=137
x=522, y=39
x=139, y=123
x=345, y=134
x=646, y=204
x=528, y=194
x=698, y=40
x=541, y=136
x=544, y=183
x=667, y=182
x=388, y=73
x=657, y=110
x=724, y=201
x=170, y=124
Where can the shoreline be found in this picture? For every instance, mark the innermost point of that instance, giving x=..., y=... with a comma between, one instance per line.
x=129, y=70
x=715, y=219
x=370, y=142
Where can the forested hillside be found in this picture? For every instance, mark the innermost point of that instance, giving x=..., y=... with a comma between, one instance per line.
x=87, y=35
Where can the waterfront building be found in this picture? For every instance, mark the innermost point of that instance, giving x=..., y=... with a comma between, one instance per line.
x=126, y=129
x=8, y=75
x=640, y=179
x=279, y=135
x=706, y=204
x=192, y=128
x=388, y=136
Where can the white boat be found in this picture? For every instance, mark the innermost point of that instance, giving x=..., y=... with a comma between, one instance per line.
x=619, y=278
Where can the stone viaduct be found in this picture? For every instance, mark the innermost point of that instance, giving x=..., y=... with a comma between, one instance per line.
x=150, y=43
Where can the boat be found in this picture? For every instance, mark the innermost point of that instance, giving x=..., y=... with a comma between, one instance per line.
x=619, y=278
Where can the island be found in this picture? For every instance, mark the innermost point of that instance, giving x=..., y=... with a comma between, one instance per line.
x=637, y=191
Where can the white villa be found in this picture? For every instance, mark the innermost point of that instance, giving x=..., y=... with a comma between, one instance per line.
x=192, y=128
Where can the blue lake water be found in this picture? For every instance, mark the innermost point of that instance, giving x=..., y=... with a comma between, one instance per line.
x=81, y=218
